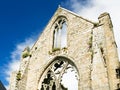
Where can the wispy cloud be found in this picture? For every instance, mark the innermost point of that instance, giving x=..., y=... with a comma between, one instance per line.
x=91, y=9
x=14, y=63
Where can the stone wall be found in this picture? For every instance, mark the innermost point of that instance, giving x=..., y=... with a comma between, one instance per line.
x=78, y=34
x=13, y=81
x=90, y=46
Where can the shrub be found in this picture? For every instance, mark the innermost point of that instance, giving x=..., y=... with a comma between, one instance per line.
x=55, y=49
x=24, y=55
x=18, y=77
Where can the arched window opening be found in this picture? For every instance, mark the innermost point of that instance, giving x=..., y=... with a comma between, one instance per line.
x=60, y=34
x=64, y=35
x=70, y=75
x=61, y=75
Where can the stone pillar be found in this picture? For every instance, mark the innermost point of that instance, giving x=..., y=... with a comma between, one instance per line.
x=99, y=77
x=111, y=50
x=13, y=81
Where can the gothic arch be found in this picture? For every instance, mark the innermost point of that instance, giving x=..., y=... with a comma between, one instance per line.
x=60, y=74
x=60, y=16
x=60, y=33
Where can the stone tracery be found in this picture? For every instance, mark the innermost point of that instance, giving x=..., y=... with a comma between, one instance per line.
x=60, y=33
x=54, y=78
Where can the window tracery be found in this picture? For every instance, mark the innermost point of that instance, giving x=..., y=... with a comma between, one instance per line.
x=61, y=75
x=60, y=33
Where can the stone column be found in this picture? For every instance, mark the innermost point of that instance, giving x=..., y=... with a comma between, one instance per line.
x=111, y=50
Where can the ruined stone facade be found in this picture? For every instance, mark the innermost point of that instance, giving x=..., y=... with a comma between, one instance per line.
x=72, y=53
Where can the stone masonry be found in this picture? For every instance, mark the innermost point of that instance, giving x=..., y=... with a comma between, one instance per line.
x=90, y=49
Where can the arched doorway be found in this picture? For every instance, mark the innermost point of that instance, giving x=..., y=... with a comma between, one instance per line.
x=61, y=74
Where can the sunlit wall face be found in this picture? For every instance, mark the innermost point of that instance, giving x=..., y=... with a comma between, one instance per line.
x=60, y=75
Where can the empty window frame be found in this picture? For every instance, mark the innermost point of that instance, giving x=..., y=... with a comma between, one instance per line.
x=118, y=73
x=60, y=34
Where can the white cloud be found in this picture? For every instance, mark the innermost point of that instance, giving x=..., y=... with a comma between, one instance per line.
x=14, y=63
x=93, y=8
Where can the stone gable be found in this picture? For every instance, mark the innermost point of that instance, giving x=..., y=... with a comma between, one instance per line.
x=89, y=51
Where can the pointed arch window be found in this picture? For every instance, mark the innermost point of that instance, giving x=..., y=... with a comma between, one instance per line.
x=60, y=75
x=60, y=34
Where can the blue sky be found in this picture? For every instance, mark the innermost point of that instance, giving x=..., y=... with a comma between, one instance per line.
x=21, y=19
x=21, y=22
